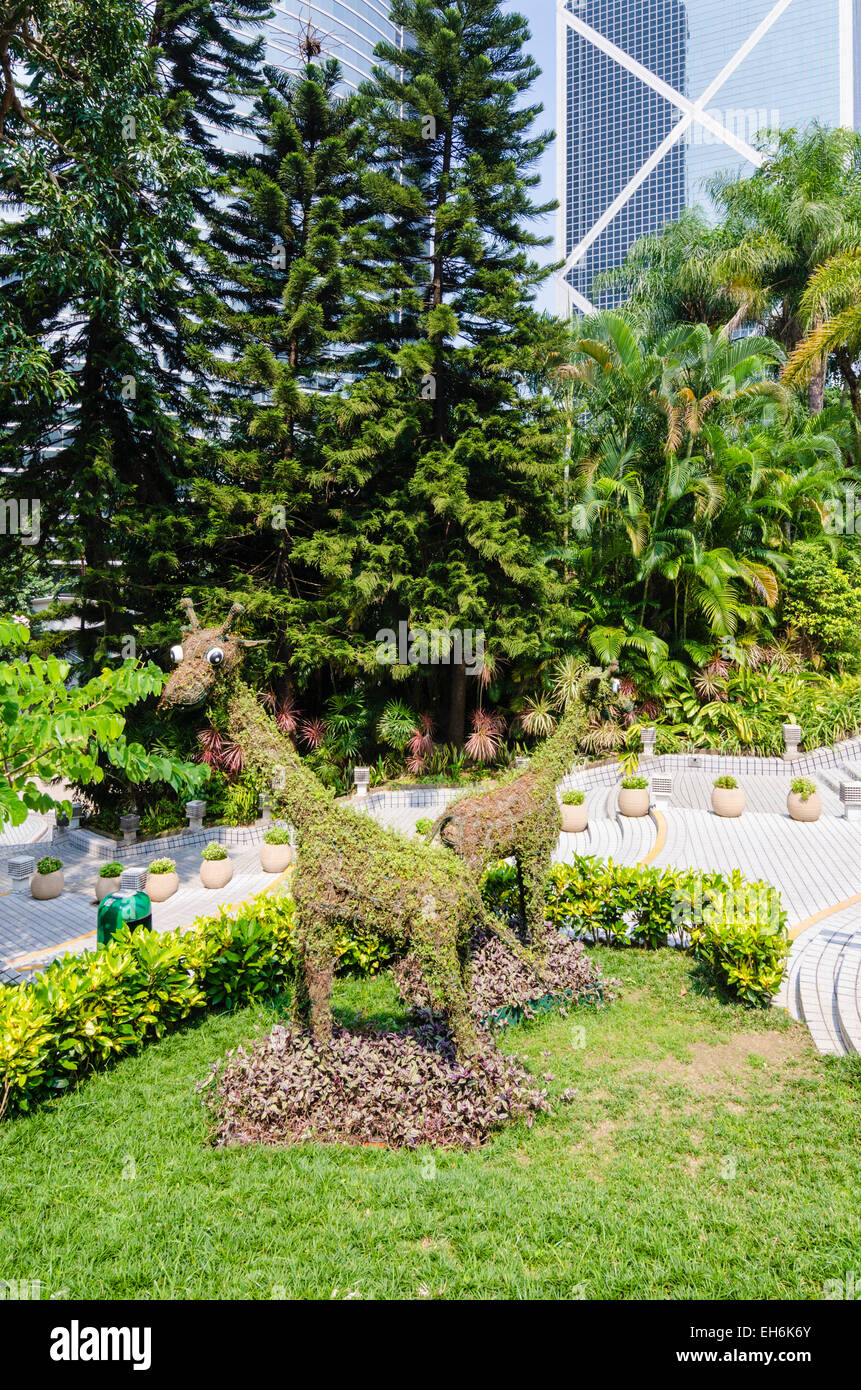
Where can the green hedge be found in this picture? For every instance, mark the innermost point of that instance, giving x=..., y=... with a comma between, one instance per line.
x=84, y=1010
x=735, y=927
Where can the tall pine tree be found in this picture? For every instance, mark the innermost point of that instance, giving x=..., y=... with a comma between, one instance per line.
x=450, y=464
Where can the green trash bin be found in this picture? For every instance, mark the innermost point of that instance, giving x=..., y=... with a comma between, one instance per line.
x=122, y=910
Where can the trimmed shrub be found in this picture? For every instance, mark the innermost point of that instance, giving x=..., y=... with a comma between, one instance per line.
x=573, y=798
x=635, y=784
x=84, y=1011
x=48, y=865
x=735, y=927
x=112, y=870
x=725, y=784
x=276, y=835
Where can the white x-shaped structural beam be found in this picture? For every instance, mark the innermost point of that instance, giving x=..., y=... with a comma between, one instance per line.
x=690, y=111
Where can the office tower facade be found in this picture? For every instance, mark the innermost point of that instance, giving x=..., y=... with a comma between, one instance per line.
x=656, y=96
x=349, y=30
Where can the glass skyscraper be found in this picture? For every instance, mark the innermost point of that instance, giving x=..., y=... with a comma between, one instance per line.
x=348, y=30
x=655, y=96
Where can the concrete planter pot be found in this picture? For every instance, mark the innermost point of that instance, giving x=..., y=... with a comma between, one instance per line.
x=574, y=818
x=104, y=886
x=809, y=810
x=727, y=801
x=160, y=887
x=45, y=886
x=634, y=801
x=274, y=859
x=214, y=873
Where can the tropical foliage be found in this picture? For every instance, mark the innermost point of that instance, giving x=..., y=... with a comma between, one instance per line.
x=312, y=376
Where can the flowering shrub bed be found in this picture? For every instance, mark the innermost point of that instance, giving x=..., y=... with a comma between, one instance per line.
x=736, y=927
x=400, y=1089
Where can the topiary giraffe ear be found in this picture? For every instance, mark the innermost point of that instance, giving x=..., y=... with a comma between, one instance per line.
x=249, y=642
x=235, y=610
x=187, y=604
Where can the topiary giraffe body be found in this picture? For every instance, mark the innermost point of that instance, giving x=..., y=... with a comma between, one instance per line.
x=351, y=869
x=518, y=819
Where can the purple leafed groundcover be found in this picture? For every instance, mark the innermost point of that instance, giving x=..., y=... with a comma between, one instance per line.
x=499, y=983
x=398, y=1088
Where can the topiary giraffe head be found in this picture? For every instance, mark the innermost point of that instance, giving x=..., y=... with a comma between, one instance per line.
x=203, y=655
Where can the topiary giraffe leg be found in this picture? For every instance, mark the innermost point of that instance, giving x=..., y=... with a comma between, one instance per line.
x=441, y=969
x=535, y=868
x=315, y=971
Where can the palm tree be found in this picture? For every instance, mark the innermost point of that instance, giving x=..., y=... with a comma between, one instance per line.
x=785, y=222
x=831, y=304
x=692, y=476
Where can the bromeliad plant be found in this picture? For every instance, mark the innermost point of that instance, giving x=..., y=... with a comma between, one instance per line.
x=573, y=798
x=725, y=784
x=47, y=865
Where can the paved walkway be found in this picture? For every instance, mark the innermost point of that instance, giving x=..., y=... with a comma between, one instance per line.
x=32, y=933
x=816, y=868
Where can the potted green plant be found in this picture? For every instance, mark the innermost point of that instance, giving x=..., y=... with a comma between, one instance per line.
x=216, y=868
x=634, y=799
x=48, y=881
x=162, y=880
x=575, y=817
x=275, y=851
x=803, y=802
x=108, y=880
x=727, y=798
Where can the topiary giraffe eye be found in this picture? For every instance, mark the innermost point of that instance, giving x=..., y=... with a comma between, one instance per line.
x=176, y=654
x=215, y=656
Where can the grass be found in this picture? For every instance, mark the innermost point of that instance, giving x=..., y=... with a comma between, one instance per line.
x=708, y=1153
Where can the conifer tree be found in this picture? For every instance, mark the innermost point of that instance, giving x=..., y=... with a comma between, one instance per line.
x=450, y=462
x=115, y=154
x=264, y=493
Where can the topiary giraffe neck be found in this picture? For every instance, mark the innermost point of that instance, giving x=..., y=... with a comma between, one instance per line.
x=296, y=793
x=556, y=756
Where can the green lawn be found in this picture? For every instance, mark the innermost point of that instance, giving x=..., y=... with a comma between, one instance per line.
x=628, y=1192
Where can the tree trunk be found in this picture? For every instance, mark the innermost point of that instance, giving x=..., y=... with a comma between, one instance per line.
x=457, y=707
x=850, y=377
x=817, y=388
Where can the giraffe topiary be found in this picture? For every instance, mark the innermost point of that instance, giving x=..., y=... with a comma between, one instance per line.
x=350, y=869
x=520, y=817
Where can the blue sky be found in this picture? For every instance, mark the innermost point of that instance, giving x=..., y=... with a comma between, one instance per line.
x=541, y=15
